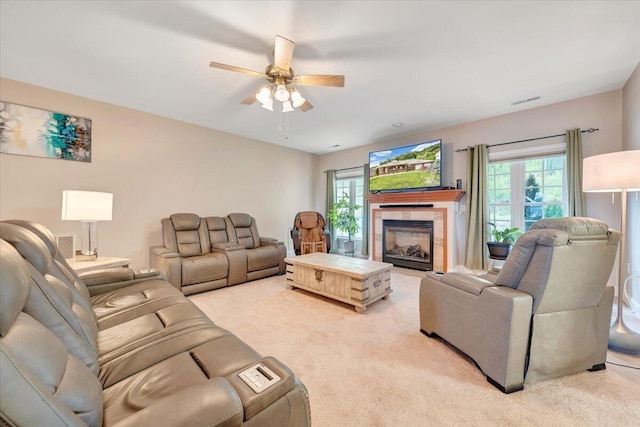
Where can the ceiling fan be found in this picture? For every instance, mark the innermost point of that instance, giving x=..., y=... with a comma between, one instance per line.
x=280, y=75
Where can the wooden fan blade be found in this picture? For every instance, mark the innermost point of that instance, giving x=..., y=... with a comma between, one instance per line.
x=319, y=80
x=236, y=69
x=282, y=53
x=250, y=99
x=306, y=106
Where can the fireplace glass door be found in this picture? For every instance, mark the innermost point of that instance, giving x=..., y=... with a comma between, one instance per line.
x=408, y=243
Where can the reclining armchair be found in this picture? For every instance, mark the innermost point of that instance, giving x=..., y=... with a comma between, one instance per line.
x=545, y=315
x=309, y=234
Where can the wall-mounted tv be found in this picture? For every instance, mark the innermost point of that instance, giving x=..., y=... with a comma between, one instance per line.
x=410, y=168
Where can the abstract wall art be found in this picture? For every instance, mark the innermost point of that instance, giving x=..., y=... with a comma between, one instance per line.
x=31, y=131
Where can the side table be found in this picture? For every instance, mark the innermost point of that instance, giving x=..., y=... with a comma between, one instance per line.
x=97, y=264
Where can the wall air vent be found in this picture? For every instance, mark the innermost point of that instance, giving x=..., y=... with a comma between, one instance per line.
x=522, y=101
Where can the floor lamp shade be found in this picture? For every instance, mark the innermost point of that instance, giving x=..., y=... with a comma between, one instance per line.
x=612, y=172
x=617, y=172
x=89, y=207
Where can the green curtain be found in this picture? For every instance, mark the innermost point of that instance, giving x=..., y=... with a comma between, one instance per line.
x=365, y=212
x=574, y=173
x=477, y=211
x=331, y=190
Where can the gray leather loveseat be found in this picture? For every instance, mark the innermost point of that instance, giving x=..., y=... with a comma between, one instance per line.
x=202, y=254
x=136, y=352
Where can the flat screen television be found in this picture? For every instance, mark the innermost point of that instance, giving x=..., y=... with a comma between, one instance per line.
x=411, y=168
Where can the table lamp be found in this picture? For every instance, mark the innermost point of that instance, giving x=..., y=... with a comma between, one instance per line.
x=616, y=173
x=88, y=207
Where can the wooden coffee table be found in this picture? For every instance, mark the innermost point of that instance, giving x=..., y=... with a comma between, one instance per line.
x=354, y=281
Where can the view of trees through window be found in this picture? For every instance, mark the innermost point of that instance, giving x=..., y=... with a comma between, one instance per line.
x=523, y=191
x=354, y=188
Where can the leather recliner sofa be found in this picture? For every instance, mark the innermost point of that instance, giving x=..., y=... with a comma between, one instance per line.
x=202, y=254
x=545, y=315
x=125, y=351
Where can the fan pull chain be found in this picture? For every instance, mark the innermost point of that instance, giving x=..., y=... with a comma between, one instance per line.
x=286, y=126
x=280, y=119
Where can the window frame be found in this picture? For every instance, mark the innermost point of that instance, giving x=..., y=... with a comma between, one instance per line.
x=518, y=176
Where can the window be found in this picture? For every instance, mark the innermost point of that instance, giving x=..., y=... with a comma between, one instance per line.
x=523, y=191
x=351, y=182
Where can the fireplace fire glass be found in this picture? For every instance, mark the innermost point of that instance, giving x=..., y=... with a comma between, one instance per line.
x=408, y=243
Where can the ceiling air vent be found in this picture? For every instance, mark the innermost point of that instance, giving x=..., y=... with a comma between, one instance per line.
x=522, y=101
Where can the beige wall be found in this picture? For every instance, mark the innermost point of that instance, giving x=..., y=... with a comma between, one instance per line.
x=603, y=111
x=157, y=166
x=631, y=141
x=154, y=166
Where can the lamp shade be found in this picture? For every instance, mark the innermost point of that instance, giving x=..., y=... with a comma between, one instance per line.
x=612, y=172
x=86, y=206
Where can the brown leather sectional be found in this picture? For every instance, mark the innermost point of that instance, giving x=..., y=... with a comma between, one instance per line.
x=130, y=350
x=202, y=254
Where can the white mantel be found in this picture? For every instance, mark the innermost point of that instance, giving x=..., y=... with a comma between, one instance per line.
x=448, y=223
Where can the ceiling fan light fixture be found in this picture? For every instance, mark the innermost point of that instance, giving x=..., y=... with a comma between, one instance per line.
x=296, y=99
x=282, y=94
x=264, y=95
x=286, y=107
x=267, y=104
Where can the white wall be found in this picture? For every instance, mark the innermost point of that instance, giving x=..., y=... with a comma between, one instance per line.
x=154, y=166
x=603, y=111
x=631, y=141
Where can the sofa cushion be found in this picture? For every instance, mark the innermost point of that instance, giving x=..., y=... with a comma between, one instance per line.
x=204, y=268
x=188, y=243
x=217, y=229
x=262, y=257
x=185, y=221
x=15, y=285
x=245, y=230
x=574, y=226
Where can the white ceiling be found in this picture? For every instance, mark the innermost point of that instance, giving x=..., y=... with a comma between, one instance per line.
x=425, y=64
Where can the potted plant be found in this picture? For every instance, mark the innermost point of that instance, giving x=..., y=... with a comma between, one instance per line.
x=342, y=217
x=503, y=241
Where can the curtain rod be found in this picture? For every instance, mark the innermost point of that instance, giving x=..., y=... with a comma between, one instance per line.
x=590, y=130
x=345, y=169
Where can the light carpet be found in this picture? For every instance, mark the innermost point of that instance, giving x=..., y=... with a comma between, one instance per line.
x=377, y=369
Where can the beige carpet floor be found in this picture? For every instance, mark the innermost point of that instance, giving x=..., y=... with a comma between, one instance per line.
x=377, y=369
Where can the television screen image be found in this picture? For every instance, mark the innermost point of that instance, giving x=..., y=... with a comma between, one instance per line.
x=406, y=168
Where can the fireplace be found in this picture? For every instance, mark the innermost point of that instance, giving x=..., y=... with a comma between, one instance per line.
x=408, y=243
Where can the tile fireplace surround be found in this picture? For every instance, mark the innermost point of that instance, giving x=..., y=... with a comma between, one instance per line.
x=443, y=214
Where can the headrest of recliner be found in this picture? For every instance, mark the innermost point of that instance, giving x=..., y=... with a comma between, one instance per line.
x=574, y=226
x=215, y=223
x=15, y=281
x=240, y=219
x=39, y=230
x=185, y=221
x=309, y=219
x=30, y=246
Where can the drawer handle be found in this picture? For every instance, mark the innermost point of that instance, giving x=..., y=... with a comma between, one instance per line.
x=377, y=283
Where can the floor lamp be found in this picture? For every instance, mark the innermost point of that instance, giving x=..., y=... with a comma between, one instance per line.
x=88, y=207
x=617, y=172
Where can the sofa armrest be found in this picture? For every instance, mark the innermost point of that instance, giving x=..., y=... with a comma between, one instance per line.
x=106, y=275
x=254, y=402
x=168, y=263
x=270, y=241
x=507, y=314
x=213, y=402
x=163, y=252
x=464, y=282
x=226, y=247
